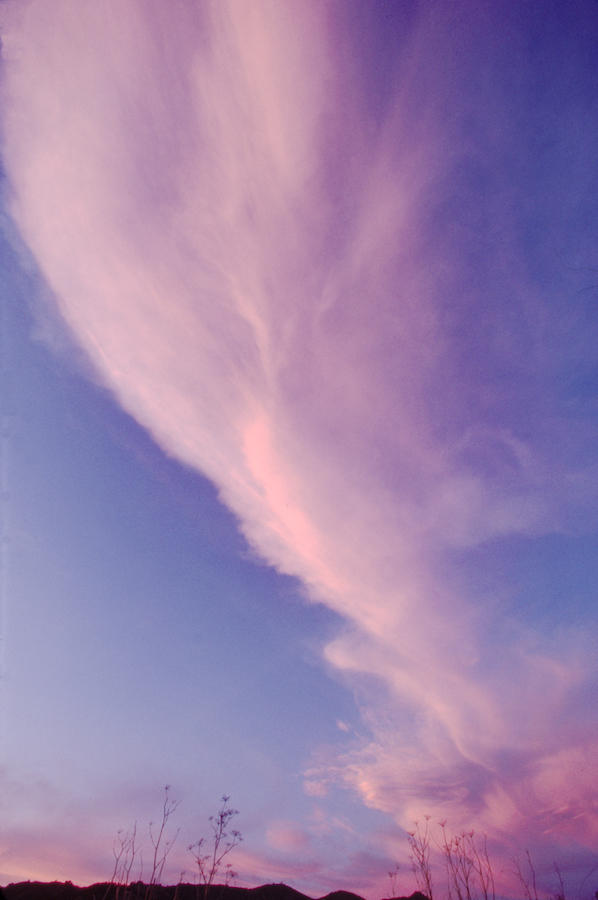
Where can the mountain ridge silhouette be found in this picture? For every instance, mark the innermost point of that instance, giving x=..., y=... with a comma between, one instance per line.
x=102, y=890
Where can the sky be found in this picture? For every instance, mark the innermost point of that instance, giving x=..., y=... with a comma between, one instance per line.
x=299, y=433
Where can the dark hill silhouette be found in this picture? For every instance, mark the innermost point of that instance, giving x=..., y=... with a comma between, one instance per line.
x=58, y=890
x=416, y=895
x=341, y=895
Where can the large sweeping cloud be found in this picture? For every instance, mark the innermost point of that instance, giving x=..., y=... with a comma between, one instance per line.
x=328, y=290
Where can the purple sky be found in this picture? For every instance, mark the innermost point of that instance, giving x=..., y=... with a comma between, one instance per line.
x=300, y=318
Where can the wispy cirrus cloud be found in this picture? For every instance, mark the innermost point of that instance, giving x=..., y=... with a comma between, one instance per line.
x=339, y=311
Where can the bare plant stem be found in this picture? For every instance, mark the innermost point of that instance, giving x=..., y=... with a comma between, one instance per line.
x=224, y=839
x=393, y=876
x=467, y=864
x=561, y=891
x=160, y=842
x=527, y=879
x=419, y=846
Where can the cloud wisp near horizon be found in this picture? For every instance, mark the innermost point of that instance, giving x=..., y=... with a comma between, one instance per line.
x=338, y=258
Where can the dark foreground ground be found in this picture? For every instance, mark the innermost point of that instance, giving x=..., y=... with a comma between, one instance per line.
x=57, y=890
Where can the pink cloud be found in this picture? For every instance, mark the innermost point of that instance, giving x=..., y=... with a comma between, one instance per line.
x=286, y=836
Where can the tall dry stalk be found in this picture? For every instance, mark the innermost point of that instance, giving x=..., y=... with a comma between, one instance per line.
x=209, y=854
x=419, y=847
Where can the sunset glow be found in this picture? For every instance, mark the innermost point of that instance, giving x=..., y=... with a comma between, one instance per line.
x=301, y=329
